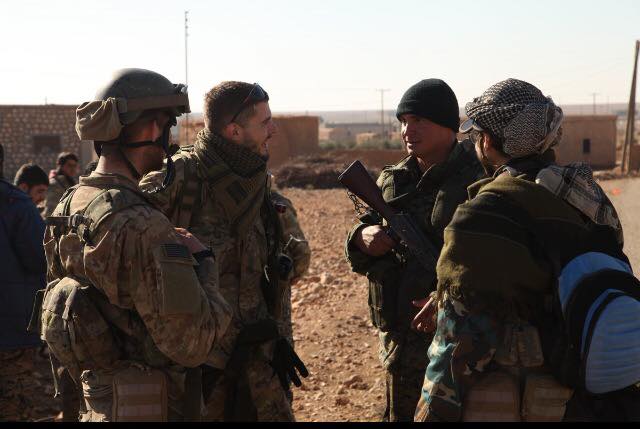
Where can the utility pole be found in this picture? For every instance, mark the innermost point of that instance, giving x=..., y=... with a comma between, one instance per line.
x=382, y=91
x=186, y=70
x=631, y=116
x=593, y=94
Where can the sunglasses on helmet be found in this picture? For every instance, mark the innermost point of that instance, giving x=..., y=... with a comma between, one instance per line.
x=256, y=95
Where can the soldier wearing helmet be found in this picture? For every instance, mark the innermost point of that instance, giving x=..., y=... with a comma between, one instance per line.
x=132, y=301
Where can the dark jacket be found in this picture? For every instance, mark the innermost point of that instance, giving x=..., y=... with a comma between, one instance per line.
x=22, y=265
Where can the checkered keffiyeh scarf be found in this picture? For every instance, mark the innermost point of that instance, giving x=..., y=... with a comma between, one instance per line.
x=518, y=113
x=574, y=183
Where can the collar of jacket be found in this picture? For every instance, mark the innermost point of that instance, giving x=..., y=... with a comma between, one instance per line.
x=96, y=179
x=527, y=167
x=435, y=174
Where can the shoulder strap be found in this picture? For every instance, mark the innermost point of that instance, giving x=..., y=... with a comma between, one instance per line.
x=110, y=202
x=86, y=221
x=188, y=197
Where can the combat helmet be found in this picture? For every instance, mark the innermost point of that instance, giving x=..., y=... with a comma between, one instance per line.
x=122, y=101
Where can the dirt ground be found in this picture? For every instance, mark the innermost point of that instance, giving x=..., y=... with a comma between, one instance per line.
x=332, y=331
x=333, y=334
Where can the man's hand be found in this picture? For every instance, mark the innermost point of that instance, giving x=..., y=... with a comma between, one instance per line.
x=190, y=240
x=425, y=320
x=374, y=240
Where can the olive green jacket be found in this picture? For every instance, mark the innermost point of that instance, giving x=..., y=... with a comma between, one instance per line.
x=431, y=199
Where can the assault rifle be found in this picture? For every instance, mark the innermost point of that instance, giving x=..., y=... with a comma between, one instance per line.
x=358, y=181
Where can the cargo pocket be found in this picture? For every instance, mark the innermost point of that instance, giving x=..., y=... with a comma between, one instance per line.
x=507, y=351
x=382, y=305
x=179, y=288
x=545, y=400
x=91, y=337
x=140, y=396
x=529, y=346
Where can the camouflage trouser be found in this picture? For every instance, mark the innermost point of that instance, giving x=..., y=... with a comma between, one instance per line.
x=270, y=402
x=404, y=378
x=70, y=396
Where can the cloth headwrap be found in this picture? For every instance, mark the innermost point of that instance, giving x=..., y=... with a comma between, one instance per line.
x=575, y=184
x=518, y=113
x=98, y=120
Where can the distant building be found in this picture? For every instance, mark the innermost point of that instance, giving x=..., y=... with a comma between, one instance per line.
x=355, y=128
x=337, y=134
x=296, y=136
x=590, y=139
x=37, y=133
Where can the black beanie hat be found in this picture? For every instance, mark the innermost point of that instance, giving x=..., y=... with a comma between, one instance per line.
x=434, y=100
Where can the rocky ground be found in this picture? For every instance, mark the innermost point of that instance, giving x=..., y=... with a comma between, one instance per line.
x=333, y=334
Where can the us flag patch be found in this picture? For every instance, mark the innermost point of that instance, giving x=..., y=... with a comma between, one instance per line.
x=175, y=250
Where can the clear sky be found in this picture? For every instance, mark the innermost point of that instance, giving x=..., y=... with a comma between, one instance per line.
x=321, y=54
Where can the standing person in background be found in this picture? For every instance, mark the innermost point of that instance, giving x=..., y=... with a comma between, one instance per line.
x=33, y=181
x=428, y=185
x=22, y=270
x=1, y=162
x=61, y=179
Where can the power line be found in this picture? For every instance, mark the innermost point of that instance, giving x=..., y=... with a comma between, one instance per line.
x=382, y=91
x=594, y=94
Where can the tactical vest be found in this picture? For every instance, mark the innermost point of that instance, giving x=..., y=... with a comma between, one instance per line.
x=81, y=327
x=202, y=180
x=394, y=284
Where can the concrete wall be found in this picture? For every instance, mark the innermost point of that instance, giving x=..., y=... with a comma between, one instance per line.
x=297, y=135
x=600, y=130
x=29, y=135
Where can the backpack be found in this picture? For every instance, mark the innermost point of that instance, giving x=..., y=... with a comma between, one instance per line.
x=599, y=300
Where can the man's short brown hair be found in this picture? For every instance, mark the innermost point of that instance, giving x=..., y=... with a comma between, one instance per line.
x=66, y=156
x=223, y=101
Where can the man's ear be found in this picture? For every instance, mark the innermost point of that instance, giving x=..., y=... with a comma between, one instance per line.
x=487, y=143
x=231, y=131
x=23, y=187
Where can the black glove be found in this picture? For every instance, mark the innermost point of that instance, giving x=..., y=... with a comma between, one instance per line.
x=285, y=363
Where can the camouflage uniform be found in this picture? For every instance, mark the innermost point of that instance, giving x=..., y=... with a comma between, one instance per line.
x=431, y=198
x=70, y=395
x=492, y=271
x=161, y=313
x=57, y=185
x=231, y=212
x=298, y=250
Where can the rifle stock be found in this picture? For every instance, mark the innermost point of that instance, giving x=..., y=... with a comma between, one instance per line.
x=357, y=180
